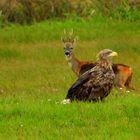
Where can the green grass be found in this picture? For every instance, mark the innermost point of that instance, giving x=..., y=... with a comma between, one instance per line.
x=25, y=117
x=34, y=79
x=53, y=30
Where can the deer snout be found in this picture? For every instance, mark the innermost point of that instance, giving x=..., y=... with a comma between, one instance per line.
x=67, y=53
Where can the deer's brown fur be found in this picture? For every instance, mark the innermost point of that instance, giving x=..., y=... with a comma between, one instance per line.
x=123, y=73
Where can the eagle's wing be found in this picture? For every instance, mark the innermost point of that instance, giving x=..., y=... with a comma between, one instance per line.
x=87, y=67
x=81, y=80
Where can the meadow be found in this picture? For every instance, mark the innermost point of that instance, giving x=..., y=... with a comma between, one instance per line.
x=35, y=77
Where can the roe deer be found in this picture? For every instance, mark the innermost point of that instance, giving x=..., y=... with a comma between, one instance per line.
x=123, y=73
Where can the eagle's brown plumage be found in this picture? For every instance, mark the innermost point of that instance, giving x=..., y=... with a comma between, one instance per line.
x=97, y=82
x=123, y=73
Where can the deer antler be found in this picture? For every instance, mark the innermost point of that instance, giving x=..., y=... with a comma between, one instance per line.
x=65, y=32
x=68, y=36
x=71, y=32
x=63, y=38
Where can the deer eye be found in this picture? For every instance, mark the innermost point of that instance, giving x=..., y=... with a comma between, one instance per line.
x=71, y=48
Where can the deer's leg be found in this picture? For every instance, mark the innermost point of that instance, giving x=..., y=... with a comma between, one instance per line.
x=128, y=83
x=120, y=81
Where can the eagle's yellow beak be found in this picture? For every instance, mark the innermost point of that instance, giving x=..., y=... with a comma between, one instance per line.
x=114, y=54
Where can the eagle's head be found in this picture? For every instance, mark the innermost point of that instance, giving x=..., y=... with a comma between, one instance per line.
x=106, y=54
x=104, y=58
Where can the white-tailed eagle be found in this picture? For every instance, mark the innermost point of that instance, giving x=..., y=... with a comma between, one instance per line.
x=96, y=83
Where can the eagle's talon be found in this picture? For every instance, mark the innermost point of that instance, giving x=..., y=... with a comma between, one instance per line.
x=66, y=101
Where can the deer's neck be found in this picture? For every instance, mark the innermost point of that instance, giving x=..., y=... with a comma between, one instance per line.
x=74, y=63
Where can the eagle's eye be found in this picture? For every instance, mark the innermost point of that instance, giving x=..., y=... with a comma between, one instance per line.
x=109, y=52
